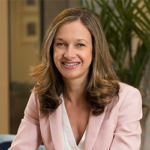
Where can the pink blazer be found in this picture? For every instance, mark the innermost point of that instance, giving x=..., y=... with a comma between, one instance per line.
x=118, y=130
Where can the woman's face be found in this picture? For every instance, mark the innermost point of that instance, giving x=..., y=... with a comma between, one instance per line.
x=72, y=50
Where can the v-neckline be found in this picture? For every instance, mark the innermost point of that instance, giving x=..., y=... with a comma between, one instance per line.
x=68, y=129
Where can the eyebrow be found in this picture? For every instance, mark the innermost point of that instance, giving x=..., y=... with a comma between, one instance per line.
x=59, y=39
x=76, y=40
x=82, y=40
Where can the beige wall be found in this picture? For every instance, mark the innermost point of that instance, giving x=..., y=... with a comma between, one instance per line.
x=4, y=103
x=24, y=48
x=53, y=7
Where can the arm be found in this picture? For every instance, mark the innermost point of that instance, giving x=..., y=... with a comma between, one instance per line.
x=28, y=136
x=127, y=135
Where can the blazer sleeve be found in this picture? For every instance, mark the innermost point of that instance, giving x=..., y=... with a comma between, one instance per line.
x=28, y=136
x=127, y=135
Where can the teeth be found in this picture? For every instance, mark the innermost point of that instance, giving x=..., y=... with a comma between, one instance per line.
x=73, y=64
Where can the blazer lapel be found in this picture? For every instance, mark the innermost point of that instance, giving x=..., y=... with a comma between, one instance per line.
x=93, y=129
x=56, y=128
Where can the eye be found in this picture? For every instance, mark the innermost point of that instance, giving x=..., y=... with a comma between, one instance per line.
x=60, y=44
x=81, y=45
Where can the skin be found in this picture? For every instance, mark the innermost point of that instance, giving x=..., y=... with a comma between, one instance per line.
x=73, y=45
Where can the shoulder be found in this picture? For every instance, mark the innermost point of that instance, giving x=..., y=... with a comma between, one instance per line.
x=130, y=100
x=129, y=97
x=126, y=90
x=33, y=100
x=32, y=108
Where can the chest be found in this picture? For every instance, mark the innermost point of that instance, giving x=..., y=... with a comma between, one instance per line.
x=78, y=119
x=99, y=134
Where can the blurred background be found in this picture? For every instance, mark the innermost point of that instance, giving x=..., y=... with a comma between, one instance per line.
x=23, y=23
x=22, y=27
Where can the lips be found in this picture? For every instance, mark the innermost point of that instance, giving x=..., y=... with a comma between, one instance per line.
x=70, y=65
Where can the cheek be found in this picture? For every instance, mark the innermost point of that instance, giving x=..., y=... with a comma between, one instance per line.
x=87, y=57
x=55, y=55
x=55, y=58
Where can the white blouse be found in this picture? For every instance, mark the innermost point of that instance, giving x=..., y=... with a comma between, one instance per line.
x=69, y=142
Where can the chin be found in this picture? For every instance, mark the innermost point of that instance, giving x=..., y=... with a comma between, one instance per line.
x=70, y=76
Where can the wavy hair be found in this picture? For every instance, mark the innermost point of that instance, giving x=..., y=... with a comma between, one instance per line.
x=102, y=85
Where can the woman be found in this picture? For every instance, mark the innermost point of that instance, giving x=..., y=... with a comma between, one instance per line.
x=78, y=103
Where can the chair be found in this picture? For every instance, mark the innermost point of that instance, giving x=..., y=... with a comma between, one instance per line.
x=6, y=140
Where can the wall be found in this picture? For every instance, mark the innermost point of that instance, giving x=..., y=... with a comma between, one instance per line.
x=24, y=52
x=24, y=39
x=53, y=7
x=4, y=103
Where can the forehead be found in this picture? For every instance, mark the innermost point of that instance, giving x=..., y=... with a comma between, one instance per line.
x=73, y=29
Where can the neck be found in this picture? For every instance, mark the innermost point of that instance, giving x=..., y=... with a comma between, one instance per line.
x=74, y=91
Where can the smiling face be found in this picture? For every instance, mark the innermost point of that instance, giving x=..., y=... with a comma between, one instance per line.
x=72, y=50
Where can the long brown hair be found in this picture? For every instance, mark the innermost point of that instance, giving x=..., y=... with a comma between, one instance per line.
x=102, y=83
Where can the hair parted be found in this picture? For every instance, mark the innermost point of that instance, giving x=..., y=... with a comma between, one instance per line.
x=102, y=85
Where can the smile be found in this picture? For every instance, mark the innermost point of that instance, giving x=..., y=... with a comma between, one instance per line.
x=70, y=64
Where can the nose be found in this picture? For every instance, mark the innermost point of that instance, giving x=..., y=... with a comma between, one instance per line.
x=69, y=53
